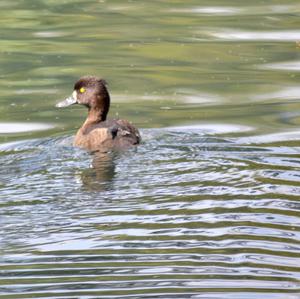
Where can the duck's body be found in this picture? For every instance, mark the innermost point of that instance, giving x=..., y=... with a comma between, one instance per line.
x=97, y=133
x=115, y=133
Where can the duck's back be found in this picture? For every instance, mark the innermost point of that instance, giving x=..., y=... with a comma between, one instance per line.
x=108, y=134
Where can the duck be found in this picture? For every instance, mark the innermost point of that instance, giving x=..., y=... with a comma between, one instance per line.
x=97, y=132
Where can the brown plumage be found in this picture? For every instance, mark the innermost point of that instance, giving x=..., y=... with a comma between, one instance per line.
x=97, y=133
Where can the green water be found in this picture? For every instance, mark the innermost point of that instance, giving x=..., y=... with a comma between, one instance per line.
x=201, y=61
x=208, y=206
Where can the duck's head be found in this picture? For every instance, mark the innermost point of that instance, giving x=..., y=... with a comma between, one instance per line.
x=91, y=92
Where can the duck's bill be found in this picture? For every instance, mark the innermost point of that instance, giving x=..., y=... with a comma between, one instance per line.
x=68, y=101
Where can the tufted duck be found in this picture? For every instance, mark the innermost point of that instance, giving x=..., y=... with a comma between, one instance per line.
x=98, y=133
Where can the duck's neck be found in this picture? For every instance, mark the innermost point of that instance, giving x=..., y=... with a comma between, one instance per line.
x=95, y=116
x=97, y=112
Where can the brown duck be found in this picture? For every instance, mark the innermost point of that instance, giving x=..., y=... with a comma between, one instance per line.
x=98, y=133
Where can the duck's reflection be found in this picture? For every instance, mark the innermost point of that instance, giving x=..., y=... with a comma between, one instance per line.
x=99, y=177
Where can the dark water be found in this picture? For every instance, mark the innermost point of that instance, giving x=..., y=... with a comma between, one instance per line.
x=208, y=206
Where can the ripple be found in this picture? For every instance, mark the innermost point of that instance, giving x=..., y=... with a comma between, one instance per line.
x=235, y=35
x=200, y=98
x=242, y=10
x=7, y=128
x=38, y=91
x=270, y=138
x=49, y=34
x=212, y=128
x=216, y=10
x=284, y=66
x=287, y=93
x=183, y=96
x=200, y=213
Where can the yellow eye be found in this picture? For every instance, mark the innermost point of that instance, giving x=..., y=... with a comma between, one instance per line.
x=82, y=89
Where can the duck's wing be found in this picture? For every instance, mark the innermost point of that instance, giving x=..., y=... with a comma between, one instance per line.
x=124, y=133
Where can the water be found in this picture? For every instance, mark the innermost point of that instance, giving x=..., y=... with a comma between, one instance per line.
x=208, y=206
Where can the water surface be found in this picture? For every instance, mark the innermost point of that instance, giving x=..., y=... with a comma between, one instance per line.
x=208, y=206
